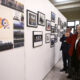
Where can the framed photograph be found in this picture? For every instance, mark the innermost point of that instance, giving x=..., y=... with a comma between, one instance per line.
x=52, y=41
x=65, y=24
x=53, y=29
x=55, y=38
x=41, y=19
x=52, y=16
x=59, y=21
x=31, y=19
x=48, y=25
x=56, y=26
x=47, y=37
x=37, y=38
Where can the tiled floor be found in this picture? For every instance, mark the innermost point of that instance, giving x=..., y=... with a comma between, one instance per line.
x=55, y=73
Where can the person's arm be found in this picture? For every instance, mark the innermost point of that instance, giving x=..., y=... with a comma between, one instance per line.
x=62, y=38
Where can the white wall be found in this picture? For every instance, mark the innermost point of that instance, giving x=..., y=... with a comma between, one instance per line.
x=11, y=61
x=12, y=64
x=40, y=60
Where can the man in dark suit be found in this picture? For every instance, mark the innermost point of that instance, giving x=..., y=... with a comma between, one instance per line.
x=65, y=48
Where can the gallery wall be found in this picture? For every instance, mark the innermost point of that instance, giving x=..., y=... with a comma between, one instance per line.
x=24, y=61
x=11, y=48
x=40, y=60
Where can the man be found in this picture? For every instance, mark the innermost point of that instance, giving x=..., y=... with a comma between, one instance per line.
x=65, y=48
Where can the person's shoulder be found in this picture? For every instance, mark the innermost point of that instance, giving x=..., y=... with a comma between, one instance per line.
x=74, y=35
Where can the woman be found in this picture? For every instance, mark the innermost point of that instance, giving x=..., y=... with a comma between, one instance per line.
x=74, y=52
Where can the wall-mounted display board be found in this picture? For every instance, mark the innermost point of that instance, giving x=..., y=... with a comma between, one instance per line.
x=52, y=41
x=13, y=4
x=48, y=25
x=41, y=18
x=37, y=38
x=11, y=26
x=53, y=17
x=18, y=25
x=31, y=19
x=47, y=37
x=6, y=29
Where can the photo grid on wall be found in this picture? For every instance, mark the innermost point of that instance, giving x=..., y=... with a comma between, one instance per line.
x=11, y=24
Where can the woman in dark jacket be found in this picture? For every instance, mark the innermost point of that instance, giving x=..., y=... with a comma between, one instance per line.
x=74, y=52
x=65, y=48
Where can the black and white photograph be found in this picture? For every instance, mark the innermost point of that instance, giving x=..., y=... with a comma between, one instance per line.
x=41, y=18
x=18, y=43
x=59, y=21
x=18, y=34
x=48, y=25
x=31, y=19
x=52, y=16
x=37, y=38
x=56, y=37
x=5, y=45
x=47, y=37
x=18, y=27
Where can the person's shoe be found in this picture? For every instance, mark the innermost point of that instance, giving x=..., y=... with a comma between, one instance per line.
x=62, y=70
x=69, y=77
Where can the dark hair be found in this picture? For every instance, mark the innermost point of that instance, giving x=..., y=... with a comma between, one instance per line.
x=69, y=27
